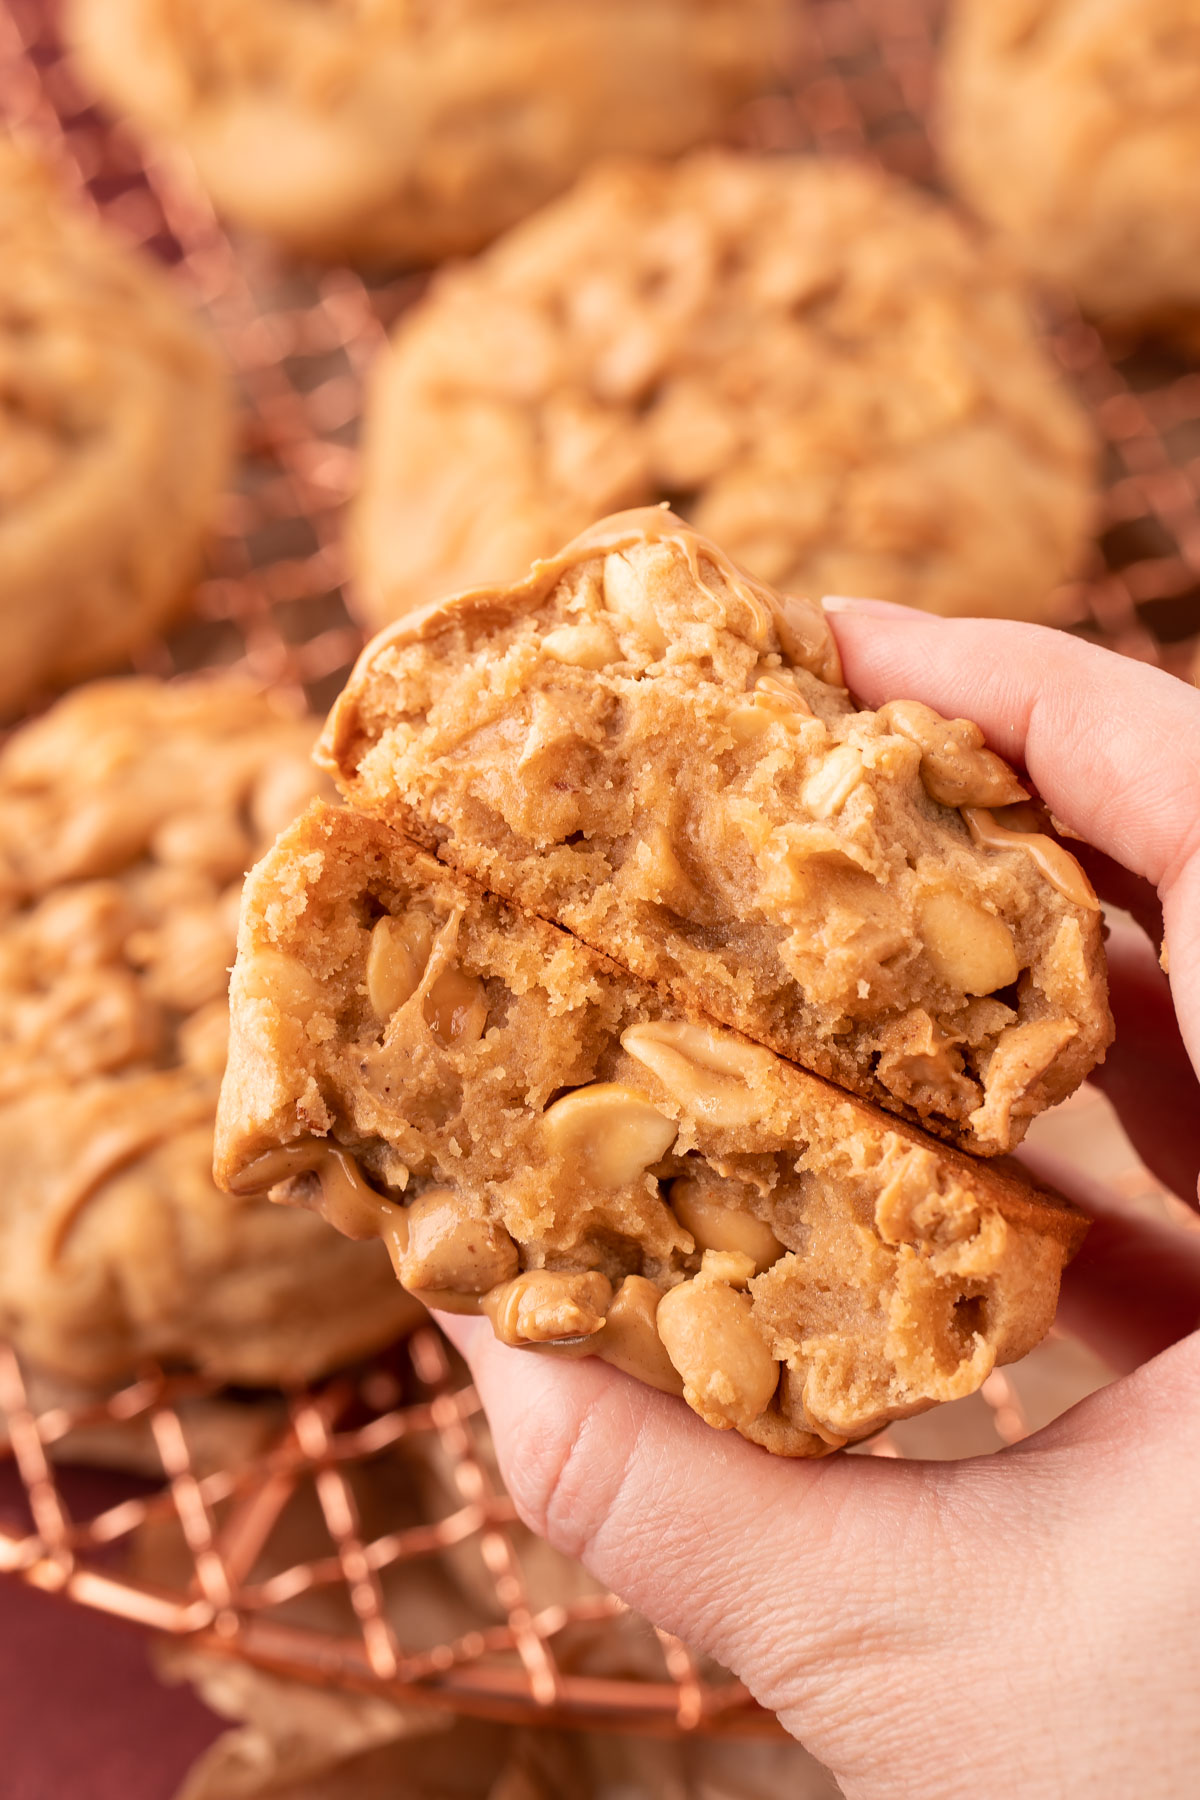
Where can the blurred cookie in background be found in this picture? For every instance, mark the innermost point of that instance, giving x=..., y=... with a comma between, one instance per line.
x=409, y=132
x=1074, y=129
x=115, y=440
x=816, y=365
x=128, y=814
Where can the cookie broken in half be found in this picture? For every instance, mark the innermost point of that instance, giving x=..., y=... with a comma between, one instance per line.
x=538, y=1135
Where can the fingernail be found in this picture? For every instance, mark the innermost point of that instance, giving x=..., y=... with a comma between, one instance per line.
x=874, y=609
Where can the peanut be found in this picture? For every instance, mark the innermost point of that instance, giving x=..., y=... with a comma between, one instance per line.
x=544, y=1305
x=449, y=1248
x=716, y=1225
x=709, y=1333
x=456, y=1008
x=830, y=786
x=625, y=595
x=630, y=1340
x=396, y=960
x=968, y=947
x=588, y=645
x=610, y=1133
x=706, y=1070
x=956, y=770
x=284, y=981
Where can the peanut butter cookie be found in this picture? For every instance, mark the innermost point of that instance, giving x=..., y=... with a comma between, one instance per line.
x=408, y=131
x=128, y=815
x=115, y=428
x=648, y=747
x=536, y=1135
x=815, y=364
x=1074, y=129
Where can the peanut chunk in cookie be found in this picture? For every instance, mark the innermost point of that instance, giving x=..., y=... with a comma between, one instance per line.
x=545, y=1306
x=708, y=1330
x=608, y=1132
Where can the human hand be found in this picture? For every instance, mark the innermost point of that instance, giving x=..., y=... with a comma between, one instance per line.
x=1020, y=1624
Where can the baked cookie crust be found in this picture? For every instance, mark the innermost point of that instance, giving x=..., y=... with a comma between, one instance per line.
x=128, y=814
x=1074, y=130
x=115, y=441
x=817, y=365
x=644, y=745
x=536, y=1135
x=408, y=133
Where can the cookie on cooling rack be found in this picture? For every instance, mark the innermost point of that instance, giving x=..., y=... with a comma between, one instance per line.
x=115, y=441
x=537, y=1135
x=401, y=133
x=1075, y=130
x=648, y=747
x=128, y=814
x=814, y=363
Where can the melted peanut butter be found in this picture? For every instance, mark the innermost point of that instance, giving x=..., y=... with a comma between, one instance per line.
x=348, y=1202
x=1056, y=864
x=800, y=625
x=344, y=1198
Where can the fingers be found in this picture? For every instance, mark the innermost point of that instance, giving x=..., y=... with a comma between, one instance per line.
x=1147, y=1074
x=1112, y=745
x=1134, y=1288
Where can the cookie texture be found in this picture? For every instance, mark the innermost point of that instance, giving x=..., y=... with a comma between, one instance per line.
x=653, y=750
x=115, y=441
x=128, y=814
x=1074, y=129
x=816, y=365
x=537, y=1135
x=403, y=132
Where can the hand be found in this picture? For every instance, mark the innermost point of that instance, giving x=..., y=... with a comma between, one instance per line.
x=1021, y=1624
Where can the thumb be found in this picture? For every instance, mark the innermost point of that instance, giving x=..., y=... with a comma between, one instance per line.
x=777, y=1569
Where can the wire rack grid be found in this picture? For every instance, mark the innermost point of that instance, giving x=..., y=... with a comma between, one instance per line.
x=272, y=603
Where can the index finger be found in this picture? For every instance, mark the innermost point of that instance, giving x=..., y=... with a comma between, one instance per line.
x=1112, y=745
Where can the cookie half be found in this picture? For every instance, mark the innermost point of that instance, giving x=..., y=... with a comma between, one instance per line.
x=115, y=441
x=128, y=814
x=646, y=746
x=815, y=364
x=537, y=1135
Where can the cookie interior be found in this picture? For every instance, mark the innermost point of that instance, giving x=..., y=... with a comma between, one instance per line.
x=537, y=1134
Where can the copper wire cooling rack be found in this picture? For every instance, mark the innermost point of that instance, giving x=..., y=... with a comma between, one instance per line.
x=272, y=604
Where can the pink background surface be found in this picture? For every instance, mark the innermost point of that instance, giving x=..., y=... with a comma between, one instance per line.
x=82, y=1715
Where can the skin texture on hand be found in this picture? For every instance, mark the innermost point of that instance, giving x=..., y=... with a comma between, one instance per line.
x=1023, y=1623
